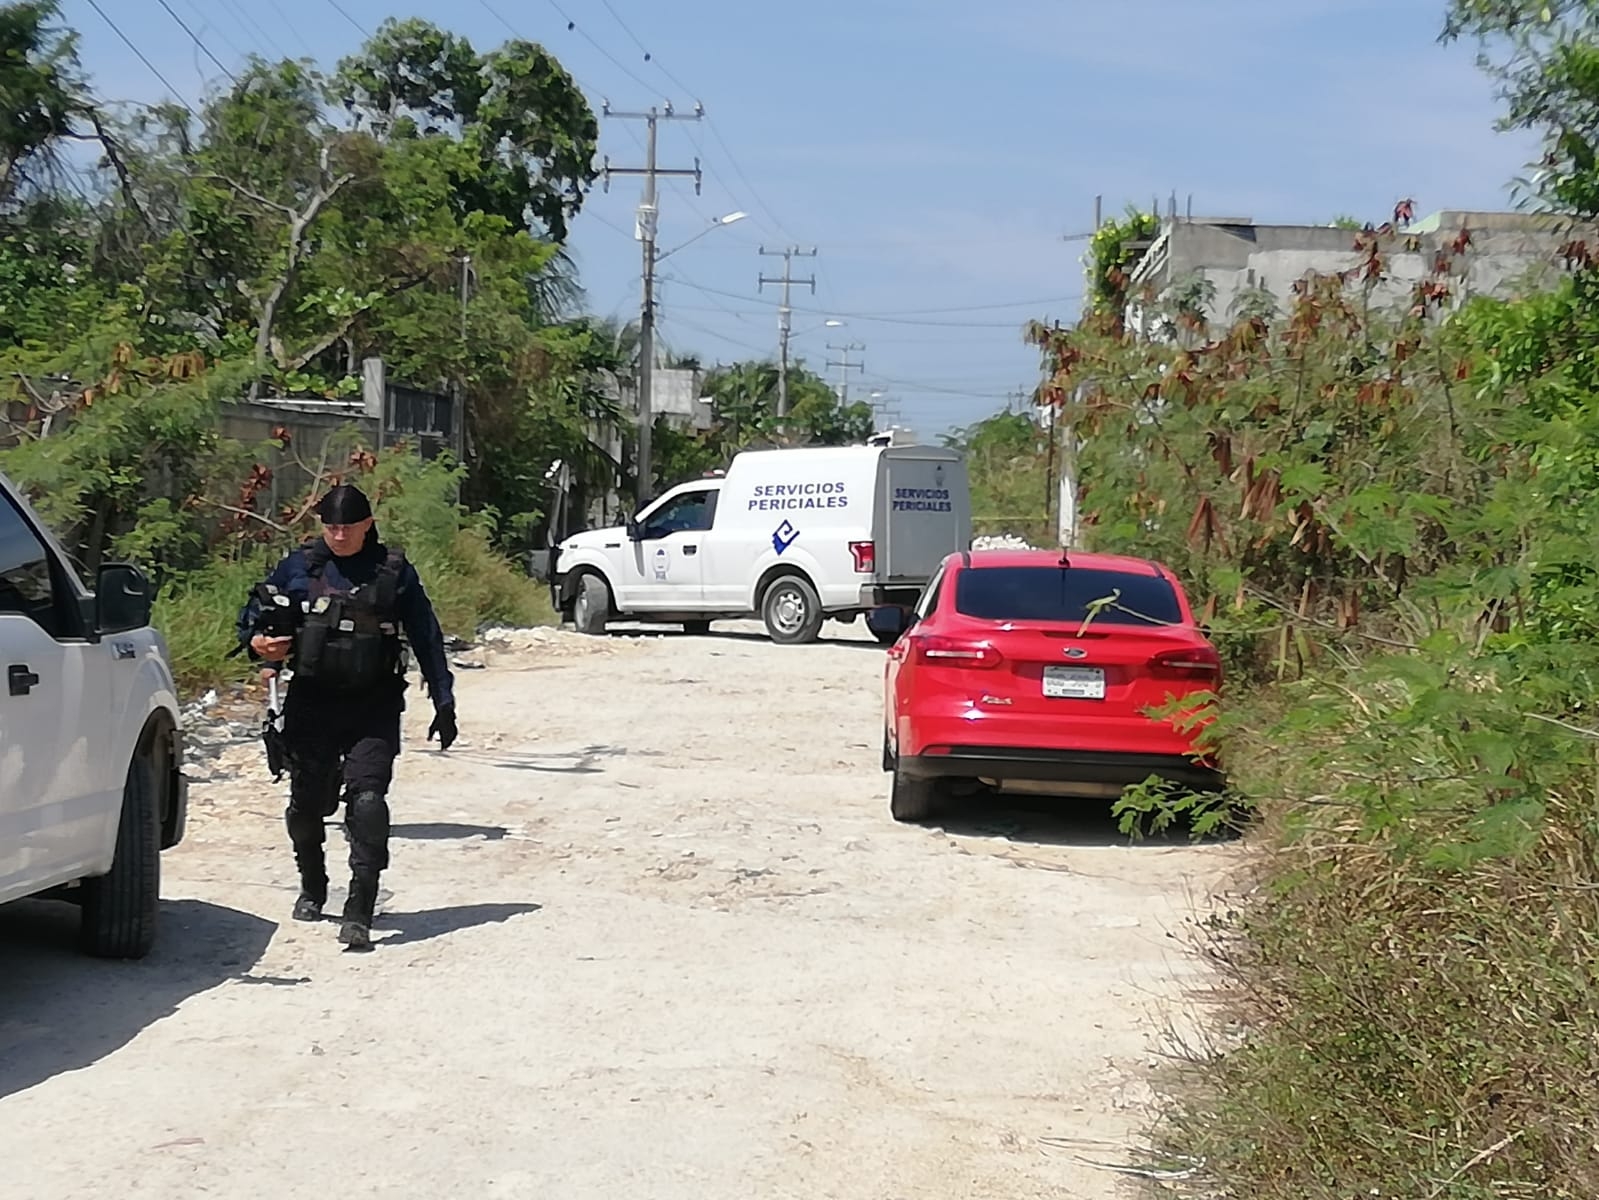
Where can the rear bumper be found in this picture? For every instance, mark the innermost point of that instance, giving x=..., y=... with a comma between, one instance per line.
x=883, y=595
x=1010, y=764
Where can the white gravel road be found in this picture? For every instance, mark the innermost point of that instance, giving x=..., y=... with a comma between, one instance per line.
x=649, y=933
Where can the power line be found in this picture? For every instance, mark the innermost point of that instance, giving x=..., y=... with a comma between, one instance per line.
x=944, y=339
x=226, y=40
x=298, y=36
x=139, y=54
x=573, y=27
x=888, y=319
x=745, y=180
x=754, y=195
x=937, y=389
x=715, y=306
x=645, y=50
x=610, y=224
x=674, y=320
x=195, y=38
x=339, y=8
x=249, y=25
x=586, y=85
x=517, y=33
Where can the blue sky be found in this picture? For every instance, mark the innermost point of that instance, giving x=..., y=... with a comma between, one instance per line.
x=934, y=151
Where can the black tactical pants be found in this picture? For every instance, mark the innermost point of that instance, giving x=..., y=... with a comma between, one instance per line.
x=340, y=743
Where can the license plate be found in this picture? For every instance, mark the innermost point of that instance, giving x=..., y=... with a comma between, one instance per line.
x=1074, y=683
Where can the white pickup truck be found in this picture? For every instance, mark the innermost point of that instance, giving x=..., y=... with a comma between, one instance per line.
x=793, y=536
x=91, y=785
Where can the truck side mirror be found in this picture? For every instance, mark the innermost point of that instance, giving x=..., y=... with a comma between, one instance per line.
x=632, y=528
x=122, y=600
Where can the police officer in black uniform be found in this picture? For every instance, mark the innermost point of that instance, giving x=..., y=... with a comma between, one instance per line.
x=335, y=610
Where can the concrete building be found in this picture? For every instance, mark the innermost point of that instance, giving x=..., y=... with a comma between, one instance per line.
x=1238, y=260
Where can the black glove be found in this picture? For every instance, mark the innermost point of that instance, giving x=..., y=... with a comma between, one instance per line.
x=443, y=726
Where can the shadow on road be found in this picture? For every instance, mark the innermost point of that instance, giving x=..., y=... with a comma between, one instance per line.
x=1052, y=822
x=443, y=831
x=61, y=1011
x=421, y=926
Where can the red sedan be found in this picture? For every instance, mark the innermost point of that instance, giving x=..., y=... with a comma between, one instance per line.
x=1032, y=672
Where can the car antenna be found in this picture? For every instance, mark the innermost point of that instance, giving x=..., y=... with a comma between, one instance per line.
x=1064, y=560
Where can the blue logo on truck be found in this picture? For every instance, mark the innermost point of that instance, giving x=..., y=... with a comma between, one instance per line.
x=784, y=536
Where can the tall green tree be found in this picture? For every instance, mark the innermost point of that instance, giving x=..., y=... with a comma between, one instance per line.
x=526, y=131
x=43, y=97
x=1545, y=56
x=301, y=224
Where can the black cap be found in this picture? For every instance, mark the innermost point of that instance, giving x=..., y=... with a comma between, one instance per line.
x=344, y=505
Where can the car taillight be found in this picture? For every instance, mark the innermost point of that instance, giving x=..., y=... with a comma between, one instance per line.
x=865, y=557
x=955, y=652
x=1198, y=664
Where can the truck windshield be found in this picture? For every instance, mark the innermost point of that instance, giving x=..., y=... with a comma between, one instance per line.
x=1065, y=594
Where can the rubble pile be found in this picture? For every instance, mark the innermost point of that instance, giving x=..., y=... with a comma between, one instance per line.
x=1001, y=541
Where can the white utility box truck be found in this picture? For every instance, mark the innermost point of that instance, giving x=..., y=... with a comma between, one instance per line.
x=91, y=782
x=793, y=536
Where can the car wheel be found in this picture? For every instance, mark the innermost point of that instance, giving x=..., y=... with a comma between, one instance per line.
x=697, y=628
x=119, y=908
x=592, y=608
x=792, y=611
x=912, y=800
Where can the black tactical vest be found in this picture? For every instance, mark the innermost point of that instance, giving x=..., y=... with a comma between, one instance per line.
x=350, y=640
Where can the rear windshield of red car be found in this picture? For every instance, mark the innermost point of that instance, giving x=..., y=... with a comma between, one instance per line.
x=1067, y=594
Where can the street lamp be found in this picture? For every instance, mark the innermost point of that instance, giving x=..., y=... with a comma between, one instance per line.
x=830, y=323
x=731, y=218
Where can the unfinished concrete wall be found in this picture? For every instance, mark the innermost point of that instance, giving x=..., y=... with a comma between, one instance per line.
x=1507, y=251
x=316, y=440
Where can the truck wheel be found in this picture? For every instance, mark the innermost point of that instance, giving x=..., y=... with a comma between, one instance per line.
x=119, y=908
x=885, y=637
x=912, y=800
x=592, y=608
x=792, y=611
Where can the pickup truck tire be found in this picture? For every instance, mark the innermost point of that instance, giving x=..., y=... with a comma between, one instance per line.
x=120, y=908
x=791, y=610
x=592, y=607
x=912, y=800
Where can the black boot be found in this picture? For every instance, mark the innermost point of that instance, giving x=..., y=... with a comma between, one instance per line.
x=366, y=821
x=356, y=932
x=312, y=864
x=308, y=907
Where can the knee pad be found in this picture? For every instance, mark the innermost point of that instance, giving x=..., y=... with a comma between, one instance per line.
x=366, y=821
x=366, y=816
x=304, y=825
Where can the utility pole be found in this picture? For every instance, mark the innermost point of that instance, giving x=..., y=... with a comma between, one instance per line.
x=648, y=211
x=845, y=367
x=458, y=415
x=784, y=313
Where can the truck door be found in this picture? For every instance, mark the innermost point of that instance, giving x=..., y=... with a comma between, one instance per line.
x=55, y=799
x=666, y=562
x=927, y=515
